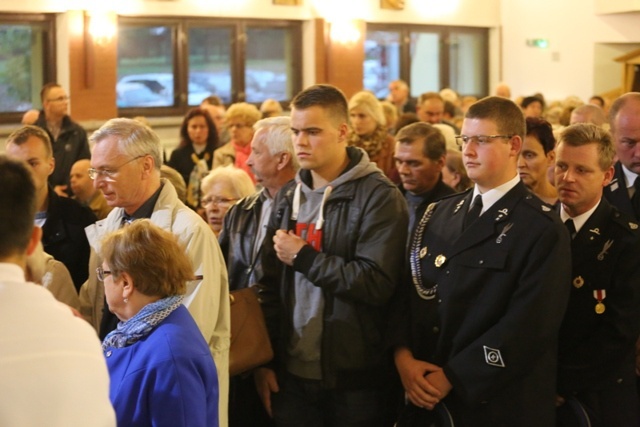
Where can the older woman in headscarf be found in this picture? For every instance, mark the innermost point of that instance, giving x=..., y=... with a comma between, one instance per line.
x=369, y=132
x=220, y=190
x=161, y=369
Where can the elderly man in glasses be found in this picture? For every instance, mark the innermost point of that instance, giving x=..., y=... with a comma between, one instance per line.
x=477, y=325
x=68, y=138
x=126, y=166
x=62, y=219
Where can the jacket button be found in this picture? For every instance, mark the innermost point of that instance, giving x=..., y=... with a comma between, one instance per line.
x=108, y=353
x=619, y=380
x=436, y=329
x=481, y=262
x=447, y=272
x=439, y=301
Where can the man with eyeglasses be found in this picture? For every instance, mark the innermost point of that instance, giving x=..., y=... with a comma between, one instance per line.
x=68, y=138
x=126, y=166
x=62, y=219
x=475, y=333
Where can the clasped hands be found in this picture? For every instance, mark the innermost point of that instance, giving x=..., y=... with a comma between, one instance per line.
x=424, y=383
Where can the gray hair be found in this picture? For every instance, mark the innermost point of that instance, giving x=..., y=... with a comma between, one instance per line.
x=237, y=179
x=278, y=137
x=134, y=139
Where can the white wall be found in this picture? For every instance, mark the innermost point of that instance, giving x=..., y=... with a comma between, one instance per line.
x=568, y=66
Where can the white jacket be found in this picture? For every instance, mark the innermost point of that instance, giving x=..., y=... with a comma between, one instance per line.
x=206, y=299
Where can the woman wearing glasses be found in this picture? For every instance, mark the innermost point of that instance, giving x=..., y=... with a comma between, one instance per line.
x=161, y=369
x=222, y=188
x=194, y=156
x=239, y=121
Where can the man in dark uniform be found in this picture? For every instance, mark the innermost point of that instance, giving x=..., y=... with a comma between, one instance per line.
x=477, y=337
x=596, y=350
x=420, y=156
x=624, y=119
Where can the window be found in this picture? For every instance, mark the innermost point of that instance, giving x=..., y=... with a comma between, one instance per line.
x=27, y=62
x=429, y=58
x=167, y=66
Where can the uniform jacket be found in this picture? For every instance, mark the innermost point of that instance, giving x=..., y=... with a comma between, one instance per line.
x=166, y=379
x=597, y=350
x=237, y=240
x=358, y=270
x=206, y=299
x=72, y=145
x=500, y=294
x=63, y=235
x=618, y=195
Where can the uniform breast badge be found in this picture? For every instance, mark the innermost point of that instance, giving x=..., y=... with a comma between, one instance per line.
x=599, y=295
x=578, y=282
x=504, y=232
x=633, y=225
x=605, y=249
x=440, y=260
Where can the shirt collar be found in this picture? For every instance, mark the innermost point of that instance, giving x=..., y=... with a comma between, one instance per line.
x=492, y=196
x=581, y=219
x=629, y=176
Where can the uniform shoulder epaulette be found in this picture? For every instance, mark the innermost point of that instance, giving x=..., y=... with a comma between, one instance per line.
x=451, y=196
x=547, y=210
x=625, y=221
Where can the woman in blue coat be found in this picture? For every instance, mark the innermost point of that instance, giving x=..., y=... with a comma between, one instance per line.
x=161, y=369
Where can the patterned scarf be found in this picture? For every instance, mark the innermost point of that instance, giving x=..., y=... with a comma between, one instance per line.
x=372, y=143
x=141, y=325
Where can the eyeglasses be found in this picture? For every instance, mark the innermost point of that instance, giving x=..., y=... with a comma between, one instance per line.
x=109, y=173
x=102, y=273
x=59, y=99
x=480, y=139
x=219, y=201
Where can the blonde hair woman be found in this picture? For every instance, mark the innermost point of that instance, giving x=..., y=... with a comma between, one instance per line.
x=369, y=132
x=239, y=120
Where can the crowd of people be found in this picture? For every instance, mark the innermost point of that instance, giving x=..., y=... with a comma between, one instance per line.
x=429, y=261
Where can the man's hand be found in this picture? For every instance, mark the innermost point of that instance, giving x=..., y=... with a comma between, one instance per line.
x=439, y=380
x=414, y=375
x=266, y=383
x=287, y=246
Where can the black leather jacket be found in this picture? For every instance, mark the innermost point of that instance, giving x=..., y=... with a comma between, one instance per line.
x=237, y=239
x=358, y=269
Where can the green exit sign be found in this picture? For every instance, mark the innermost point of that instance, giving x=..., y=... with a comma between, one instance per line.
x=539, y=43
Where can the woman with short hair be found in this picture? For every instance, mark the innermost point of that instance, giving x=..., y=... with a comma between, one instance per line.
x=161, y=369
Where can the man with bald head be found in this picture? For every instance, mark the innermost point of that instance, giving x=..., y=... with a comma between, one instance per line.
x=84, y=191
x=624, y=118
x=588, y=113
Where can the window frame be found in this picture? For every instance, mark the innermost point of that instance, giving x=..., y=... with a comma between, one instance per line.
x=49, y=59
x=444, y=32
x=180, y=31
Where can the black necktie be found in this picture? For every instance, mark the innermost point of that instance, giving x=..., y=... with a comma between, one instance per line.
x=571, y=227
x=474, y=212
x=635, y=200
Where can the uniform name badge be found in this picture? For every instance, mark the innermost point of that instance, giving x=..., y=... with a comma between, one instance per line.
x=599, y=295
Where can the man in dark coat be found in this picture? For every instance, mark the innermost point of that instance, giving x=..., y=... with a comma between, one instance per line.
x=624, y=119
x=596, y=351
x=420, y=156
x=68, y=138
x=62, y=219
x=478, y=329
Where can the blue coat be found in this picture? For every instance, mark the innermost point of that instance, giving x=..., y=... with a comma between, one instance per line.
x=166, y=379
